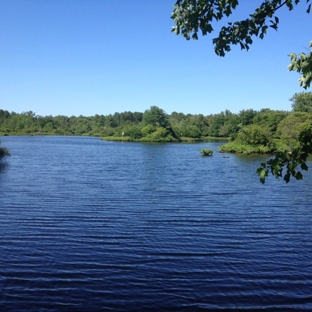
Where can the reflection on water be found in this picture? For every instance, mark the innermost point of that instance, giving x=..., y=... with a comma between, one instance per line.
x=3, y=166
x=93, y=225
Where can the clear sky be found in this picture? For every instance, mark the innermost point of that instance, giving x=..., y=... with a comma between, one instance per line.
x=87, y=57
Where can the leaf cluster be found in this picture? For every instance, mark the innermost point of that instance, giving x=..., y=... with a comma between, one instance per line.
x=192, y=16
x=303, y=65
x=289, y=161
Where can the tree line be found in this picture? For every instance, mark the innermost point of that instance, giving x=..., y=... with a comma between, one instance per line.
x=153, y=125
x=287, y=134
x=267, y=129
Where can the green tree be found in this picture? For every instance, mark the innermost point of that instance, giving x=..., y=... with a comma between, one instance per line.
x=289, y=161
x=254, y=135
x=269, y=119
x=192, y=16
x=302, y=102
x=192, y=131
x=155, y=116
x=289, y=129
x=134, y=131
x=148, y=129
x=216, y=123
x=246, y=116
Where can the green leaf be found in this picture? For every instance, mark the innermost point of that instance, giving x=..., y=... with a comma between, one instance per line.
x=287, y=177
x=304, y=166
x=298, y=175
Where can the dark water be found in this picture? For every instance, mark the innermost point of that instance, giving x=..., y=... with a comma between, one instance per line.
x=88, y=225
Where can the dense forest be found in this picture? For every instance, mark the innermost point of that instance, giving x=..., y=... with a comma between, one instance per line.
x=248, y=131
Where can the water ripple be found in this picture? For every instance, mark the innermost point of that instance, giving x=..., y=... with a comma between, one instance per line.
x=133, y=227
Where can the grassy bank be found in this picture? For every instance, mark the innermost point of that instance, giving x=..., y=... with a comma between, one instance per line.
x=233, y=147
x=240, y=148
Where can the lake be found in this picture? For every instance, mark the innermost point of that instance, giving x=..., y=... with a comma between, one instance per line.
x=90, y=225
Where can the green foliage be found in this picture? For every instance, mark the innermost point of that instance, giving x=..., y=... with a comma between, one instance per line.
x=156, y=135
x=155, y=116
x=192, y=16
x=269, y=119
x=236, y=147
x=264, y=131
x=157, y=127
x=303, y=65
x=134, y=131
x=289, y=160
x=224, y=124
x=119, y=139
x=147, y=130
x=253, y=135
x=289, y=129
x=302, y=102
x=192, y=131
x=251, y=139
x=160, y=135
x=246, y=116
x=189, y=126
x=206, y=152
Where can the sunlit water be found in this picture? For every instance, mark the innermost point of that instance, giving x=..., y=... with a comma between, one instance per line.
x=89, y=225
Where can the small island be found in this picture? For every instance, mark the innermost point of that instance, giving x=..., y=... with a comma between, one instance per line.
x=206, y=152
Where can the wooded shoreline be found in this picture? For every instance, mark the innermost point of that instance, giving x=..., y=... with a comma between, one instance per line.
x=249, y=131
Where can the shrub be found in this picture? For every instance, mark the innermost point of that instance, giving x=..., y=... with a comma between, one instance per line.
x=206, y=152
x=235, y=147
x=253, y=135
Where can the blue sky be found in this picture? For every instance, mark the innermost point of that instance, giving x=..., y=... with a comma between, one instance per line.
x=87, y=57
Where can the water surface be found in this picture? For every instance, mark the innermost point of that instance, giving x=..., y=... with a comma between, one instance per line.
x=89, y=225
